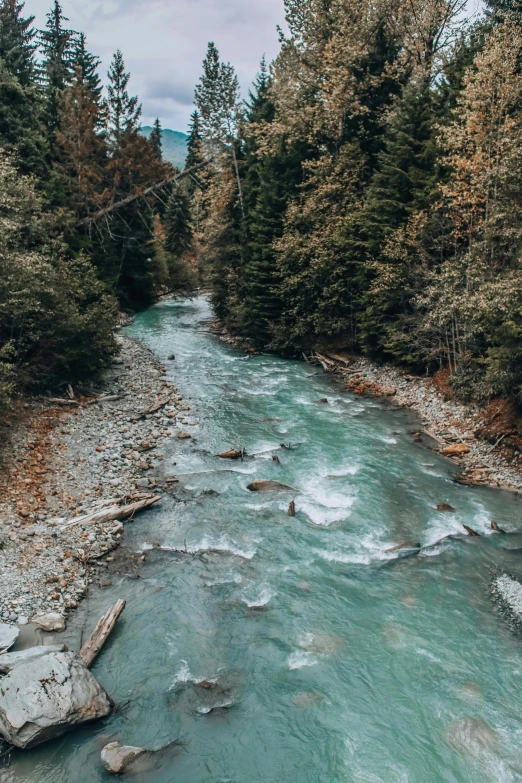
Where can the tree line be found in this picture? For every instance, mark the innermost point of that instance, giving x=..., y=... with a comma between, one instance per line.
x=68, y=150
x=369, y=193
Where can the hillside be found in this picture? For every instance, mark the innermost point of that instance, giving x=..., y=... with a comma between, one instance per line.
x=174, y=145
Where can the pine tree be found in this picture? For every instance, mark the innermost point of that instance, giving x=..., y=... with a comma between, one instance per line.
x=57, y=49
x=80, y=148
x=17, y=47
x=124, y=110
x=88, y=64
x=217, y=98
x=194, y=142
x=269, y=180
x=178, y=226
x=156, y=139
x=405, y=184
x=21, y=117
x=407, y=175
x=497, y=10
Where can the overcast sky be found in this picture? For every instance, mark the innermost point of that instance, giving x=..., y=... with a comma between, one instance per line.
x=164, y=43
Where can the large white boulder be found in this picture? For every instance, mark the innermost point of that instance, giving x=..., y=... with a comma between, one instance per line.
x=45, y=693
x=8, y=636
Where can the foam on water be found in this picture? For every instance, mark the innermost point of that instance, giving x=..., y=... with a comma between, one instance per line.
x=300, y=659
x=259, y=597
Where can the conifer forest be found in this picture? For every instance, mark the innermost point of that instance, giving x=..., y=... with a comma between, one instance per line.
x=365, y=195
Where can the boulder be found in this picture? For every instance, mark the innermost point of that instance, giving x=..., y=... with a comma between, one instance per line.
x=116, y=758
x=46, y=693
x=232, y=454
x=455, y=450
x=445, y=507
x=264, y=486
x=8, y=662
x=49, y=622
x=8, y=636
x=183, y=436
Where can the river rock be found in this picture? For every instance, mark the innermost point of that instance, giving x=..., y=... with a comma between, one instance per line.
x=445, y=507
x=264, y=486
x=46, y=694
x=116, y=757
x=10, y=661
x=8, y=636
x=183, y=436
x=406, y=545
x=50, y=622
x=455, y=450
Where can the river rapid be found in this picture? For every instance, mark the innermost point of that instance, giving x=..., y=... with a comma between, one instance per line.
x=335, y=660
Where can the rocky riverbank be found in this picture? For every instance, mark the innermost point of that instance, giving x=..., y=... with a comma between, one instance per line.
x=485, y=447
x=461, y=433
x=72, y=457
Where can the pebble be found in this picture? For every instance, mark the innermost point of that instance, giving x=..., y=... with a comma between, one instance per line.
x=92, y=454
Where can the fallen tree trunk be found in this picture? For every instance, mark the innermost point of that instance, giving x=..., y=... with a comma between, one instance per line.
x=101, y=633
x=148, y=192
x=113, y=512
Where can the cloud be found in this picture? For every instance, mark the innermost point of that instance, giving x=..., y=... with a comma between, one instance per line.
x=169, y=90
x=164, y=43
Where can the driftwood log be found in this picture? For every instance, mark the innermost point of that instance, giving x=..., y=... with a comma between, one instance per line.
x=101, y=633
x=233, y=454
x=113, y=512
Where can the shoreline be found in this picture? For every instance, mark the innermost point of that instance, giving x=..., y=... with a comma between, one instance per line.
x=451, y=425
x=66, y=459
x=70, y=458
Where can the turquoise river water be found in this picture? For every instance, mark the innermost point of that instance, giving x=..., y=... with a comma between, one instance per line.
x=336, y=661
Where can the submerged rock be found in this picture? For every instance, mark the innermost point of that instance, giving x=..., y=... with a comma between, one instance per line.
x=116, y=758
x=406, y=545
x=45, y=694
x=264, y=486
x=471, y=736
x=8, y=636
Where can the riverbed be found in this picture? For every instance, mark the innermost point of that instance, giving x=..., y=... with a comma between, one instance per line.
x=334, y=660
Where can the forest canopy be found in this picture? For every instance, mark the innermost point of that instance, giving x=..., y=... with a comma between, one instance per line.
x=366, y=195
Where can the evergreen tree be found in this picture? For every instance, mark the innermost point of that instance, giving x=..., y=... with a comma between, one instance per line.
x=124, y=110
x=194, y=142
x=407, y=176
x=178, y=226
x=269, y=180
x=405, y=184
x=497, y=10
x=156, y=139
x=17, y=45
x=21, y=118
x=88, y=64
x=217, y=98
x=22, y=124
x=80, y=148
x=57, y=49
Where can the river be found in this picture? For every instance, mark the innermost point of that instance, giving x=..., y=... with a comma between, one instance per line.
x=335, y=660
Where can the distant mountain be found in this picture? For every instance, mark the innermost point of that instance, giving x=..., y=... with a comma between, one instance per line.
x=174, y=145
